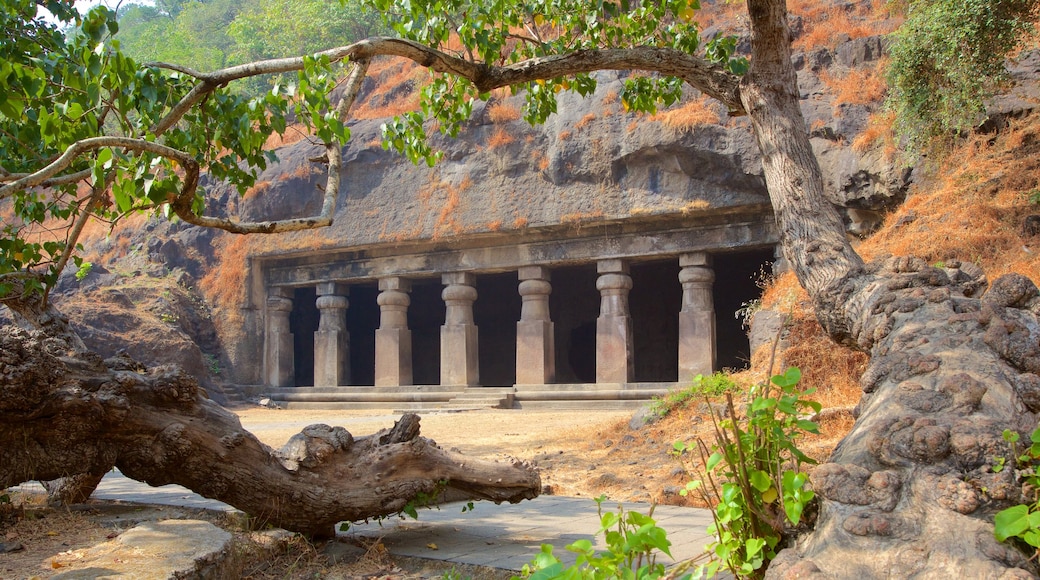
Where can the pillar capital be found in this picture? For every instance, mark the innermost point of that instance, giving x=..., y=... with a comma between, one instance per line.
x=332, y=302
x=395, y=283
x=332, y=289
x=533, y=273
x=614, y=265
x=459, y=279
x=694, y=259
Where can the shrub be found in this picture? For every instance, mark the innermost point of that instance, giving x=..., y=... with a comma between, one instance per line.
x=701, y=386
x=752, y=474
x=633, y=541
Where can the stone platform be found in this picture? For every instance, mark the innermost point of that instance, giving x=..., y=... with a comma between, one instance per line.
x=432, y=397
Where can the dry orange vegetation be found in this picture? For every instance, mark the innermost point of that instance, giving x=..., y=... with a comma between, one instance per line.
x=859, y=86
x=500, y=138
x=880, y=129
x=686, y=117
x=826, y=24
x=503, y=112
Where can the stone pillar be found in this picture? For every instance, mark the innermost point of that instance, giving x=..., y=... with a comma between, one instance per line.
x=331, y=340
x=393, y=338
x=697, y=317
x=614, y=325
x=535, y=341
x=459, y=364
x=279, y=369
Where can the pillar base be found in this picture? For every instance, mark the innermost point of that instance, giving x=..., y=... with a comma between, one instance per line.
x=535, y=352
x=459, y=361
x=281, y=371
x=393, y=357
x=613, y=352
x=696, y=345
x=331, y=358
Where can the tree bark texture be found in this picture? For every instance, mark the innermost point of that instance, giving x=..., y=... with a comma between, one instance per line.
x=82, y=416
x=911, y=492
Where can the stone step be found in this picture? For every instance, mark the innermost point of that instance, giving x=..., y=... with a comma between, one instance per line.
x=587, y=405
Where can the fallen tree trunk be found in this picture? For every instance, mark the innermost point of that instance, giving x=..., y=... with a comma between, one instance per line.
x=81, y=416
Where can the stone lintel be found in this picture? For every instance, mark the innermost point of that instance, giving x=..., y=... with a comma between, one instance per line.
x=421, y=261
x=533, y=273
x=610, y=266
x=695, y=259
x=395, y=283
x=459, y=279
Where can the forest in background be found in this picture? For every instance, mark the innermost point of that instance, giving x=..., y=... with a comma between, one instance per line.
x=208, y=35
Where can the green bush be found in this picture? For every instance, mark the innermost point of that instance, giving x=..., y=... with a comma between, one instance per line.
x=1022, y=521
x=633, y=543
x=701, y=386
x=752, y=474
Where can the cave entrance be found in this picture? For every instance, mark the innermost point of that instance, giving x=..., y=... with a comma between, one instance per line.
x=574, y=307
x=654, y=304
x=425, y=317
x=303, y=322
x=495, y=313
x=738, y=277
x=362, y=322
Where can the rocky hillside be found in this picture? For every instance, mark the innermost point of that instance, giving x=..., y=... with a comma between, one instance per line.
x=165, y=292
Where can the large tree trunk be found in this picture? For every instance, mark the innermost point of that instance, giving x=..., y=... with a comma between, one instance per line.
x=81, y=416
x=910, y=492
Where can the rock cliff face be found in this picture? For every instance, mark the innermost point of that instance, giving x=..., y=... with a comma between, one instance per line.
x=591, y=162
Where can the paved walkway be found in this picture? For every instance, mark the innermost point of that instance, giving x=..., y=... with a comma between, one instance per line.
x=500, y=536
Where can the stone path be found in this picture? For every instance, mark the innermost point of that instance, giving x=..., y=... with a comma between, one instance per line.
x=500, y=536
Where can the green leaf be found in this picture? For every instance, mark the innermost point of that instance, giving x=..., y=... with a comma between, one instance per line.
x=1011, y=522
x=760, y=480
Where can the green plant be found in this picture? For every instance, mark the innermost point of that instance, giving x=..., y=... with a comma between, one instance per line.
x=1034, y=195
x=701, y=386
x=213, y=363
x=947, y=58
x=633, y=540
x=752, y=474
x=1023, y=521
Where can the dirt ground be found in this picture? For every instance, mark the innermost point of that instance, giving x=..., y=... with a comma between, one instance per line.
x=579, y=453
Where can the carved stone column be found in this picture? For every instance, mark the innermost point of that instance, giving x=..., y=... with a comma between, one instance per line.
x=459, y=363
x=279, y=369
x=535, y=342
x=614, y=325
x=697, y=317
x=393, y=338
x=331, y=340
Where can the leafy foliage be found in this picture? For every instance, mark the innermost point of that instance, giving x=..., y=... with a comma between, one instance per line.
x=752, y=474
x=633, y=542
x=510, y=32
x=1023, y=521
x=218, y=33
x=116, y=137
x=947, y=58
x=700, y=387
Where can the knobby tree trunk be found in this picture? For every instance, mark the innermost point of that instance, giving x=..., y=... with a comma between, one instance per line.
x=82, y=416
x=911, y=491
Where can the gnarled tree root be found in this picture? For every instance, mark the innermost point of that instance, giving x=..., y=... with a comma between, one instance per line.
x=74, y=416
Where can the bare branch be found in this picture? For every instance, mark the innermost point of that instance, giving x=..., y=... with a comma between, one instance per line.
x=183, y=204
